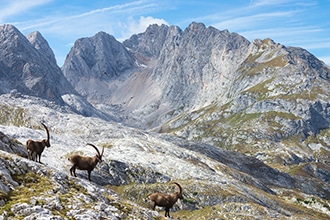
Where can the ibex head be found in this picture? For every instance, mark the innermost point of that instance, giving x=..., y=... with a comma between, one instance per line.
x=98, y=155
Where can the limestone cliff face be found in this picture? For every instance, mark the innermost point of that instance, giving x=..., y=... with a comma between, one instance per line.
x=93, y=63
x=275, y=93
x=30, y=67
x=197, y=65
x=194, y=68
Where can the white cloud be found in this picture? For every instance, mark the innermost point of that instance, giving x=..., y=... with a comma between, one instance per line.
x=289, y=34
x=14, y=7
x=138, y=26
x=261, y=3
x=255, y=20
x=68, y=21
x=116, y=20
x=143, y=23
x=277, y=3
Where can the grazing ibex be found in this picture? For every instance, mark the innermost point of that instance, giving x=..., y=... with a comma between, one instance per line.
x=84, y=162
x=165, y=200
x=37, y=147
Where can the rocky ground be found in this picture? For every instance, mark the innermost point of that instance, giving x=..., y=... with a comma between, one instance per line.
x=217, y=183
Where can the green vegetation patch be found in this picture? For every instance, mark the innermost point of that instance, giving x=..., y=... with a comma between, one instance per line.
x=297, y=169
x=123, y=207
x=310, y=201
x=240, y=118
x=13, y=115
x=188, y=118
x=319, y=138
x=71, y=196
x=33, y=188
x=31, y=185
x=260, y=89
x=251, y=67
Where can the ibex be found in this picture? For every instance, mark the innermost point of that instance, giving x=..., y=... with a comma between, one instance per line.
x=165, y=200
x=37, y=147
x=84, y=162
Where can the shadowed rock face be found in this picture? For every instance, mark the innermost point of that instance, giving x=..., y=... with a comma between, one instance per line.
x=8, y=145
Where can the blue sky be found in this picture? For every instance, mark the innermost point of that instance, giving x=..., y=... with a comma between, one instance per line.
x=297, y=23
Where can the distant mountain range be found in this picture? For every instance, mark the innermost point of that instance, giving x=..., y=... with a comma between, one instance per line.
x=178, y=81
x=165, y=73
x=268, y=101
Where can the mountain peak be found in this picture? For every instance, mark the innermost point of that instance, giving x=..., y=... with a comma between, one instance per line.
x=40, y=44
x=10, y=35
x=36, y=34
x=8, y=28
x=196, y=26
x=104, y=35
x=155, y=27
x=92, y=61
x=147, y=45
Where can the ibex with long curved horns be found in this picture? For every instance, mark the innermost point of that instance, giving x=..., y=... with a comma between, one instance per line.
x=85, y=162
x=37, y=147
x=165, y=200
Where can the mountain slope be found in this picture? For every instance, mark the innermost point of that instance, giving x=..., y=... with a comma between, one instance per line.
x=279, y=94
x=35, y=191
x=137, y=163
x=242, y=126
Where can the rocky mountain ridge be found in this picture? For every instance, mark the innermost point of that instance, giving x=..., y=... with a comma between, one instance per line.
x=25, y=69
x=204, y=84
